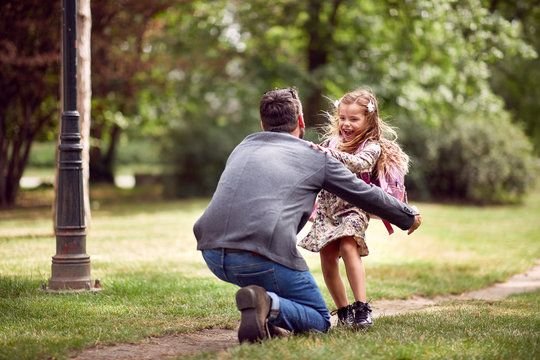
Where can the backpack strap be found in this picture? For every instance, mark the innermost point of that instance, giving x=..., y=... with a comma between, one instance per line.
x=389, y=227
x=366, y=176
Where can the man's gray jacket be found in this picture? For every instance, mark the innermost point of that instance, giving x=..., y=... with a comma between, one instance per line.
x=267, y=192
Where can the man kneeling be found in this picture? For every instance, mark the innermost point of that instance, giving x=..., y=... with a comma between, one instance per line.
x=264, y=197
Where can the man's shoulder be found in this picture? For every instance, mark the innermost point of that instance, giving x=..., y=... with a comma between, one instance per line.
x=274, y=138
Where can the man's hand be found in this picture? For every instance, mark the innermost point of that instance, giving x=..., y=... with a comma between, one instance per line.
x=319, y=147
x=417, y=221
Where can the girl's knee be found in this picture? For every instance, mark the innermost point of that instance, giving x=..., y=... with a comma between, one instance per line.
x=330, y=252
x=329, y=260
x=348, y=244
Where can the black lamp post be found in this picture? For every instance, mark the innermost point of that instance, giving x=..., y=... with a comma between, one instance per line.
x=71, y=264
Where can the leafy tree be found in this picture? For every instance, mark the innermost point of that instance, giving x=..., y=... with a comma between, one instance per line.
x=427, y=61
x=440, y=80
x=121, y=60
x=191, y=74
x=203, y=102
x=29, y=64
x=516, y=78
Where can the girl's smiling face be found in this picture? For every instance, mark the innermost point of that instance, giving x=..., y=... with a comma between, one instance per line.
x=352, y=121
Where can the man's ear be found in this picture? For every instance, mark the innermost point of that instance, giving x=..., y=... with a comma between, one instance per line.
x=262, y=126
x=301, y=123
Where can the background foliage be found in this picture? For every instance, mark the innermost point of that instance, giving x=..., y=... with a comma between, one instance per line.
x=429, y=63
x=29, y=55
x=457, y=78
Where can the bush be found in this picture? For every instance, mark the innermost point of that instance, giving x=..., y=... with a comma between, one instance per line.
x=198, y=155
x=42, y=155
x=484, y=161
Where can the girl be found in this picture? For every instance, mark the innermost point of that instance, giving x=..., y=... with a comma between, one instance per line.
x=357, y=137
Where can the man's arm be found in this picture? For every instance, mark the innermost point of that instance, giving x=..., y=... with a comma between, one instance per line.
x=370, y=198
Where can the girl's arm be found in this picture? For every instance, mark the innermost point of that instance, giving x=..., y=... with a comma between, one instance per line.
x=360, y=162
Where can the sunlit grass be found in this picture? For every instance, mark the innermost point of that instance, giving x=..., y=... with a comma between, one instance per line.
x=506, y=329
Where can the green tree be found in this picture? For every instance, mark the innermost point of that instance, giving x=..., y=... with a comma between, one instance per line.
x=440, y=80
x=29, y=66
x=191, y=73
x=121, y=59
x=427, y=61
x=516, y=78
x=203, y=101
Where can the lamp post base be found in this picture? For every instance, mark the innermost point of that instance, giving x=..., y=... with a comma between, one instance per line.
x=70, y=272
x=65, y=287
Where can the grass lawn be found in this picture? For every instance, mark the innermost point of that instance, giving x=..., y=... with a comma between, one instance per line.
x=143, y=250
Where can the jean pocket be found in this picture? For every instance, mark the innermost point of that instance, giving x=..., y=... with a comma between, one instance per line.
x=265, y=279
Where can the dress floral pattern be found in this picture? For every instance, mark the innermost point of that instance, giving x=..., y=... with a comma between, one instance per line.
x=336, y=218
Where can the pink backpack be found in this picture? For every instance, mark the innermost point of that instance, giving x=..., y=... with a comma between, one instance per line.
x=391, y=180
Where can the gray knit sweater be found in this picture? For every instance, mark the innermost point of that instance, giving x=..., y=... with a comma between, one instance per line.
x=267, y=192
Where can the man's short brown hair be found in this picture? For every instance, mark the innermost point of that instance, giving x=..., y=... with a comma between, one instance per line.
x=279, y=109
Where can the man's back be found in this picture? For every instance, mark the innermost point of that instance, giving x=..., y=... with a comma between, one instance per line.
x=264, y=197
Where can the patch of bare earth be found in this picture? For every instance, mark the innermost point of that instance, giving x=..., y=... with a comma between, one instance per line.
x=165, y=347
x=215, y=340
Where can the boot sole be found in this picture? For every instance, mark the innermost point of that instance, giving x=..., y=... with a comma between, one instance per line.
x=250, y=329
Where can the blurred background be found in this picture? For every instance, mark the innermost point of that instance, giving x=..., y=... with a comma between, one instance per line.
x=175, y=85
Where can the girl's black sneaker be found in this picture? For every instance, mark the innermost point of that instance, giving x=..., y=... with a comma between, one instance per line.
x=345, y=316
x=362, y=314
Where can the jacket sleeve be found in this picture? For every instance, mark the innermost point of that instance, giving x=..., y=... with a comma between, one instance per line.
x=368, y=197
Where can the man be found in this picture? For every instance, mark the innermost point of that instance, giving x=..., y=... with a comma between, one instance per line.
x=264, y=197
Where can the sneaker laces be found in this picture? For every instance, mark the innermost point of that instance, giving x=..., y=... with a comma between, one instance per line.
x=340, y=310
x=362, y=309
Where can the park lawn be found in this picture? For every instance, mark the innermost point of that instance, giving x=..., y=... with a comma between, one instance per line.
x=143, y=251
x=503, y=329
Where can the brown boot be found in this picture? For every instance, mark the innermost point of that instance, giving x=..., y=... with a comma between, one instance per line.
x=254, y=303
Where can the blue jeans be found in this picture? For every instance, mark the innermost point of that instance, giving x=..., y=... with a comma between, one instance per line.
x=297, y=302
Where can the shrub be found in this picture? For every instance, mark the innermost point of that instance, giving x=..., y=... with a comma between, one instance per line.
x=198, y=154
x=473, y=159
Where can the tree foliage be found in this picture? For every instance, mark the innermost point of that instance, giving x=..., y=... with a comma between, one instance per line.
x=29, y=69
x=428, y=62
x=121, y=61
x=190, y=74
x=516, y=78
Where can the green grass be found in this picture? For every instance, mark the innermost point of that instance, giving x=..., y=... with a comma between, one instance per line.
x=143, y=250
x=506, y=329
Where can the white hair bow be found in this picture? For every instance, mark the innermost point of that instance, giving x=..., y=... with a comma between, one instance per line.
x=370, y=106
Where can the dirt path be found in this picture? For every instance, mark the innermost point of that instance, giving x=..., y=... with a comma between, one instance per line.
x=214, y=340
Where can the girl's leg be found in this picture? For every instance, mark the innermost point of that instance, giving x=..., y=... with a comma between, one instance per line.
x=330, y=269
x=356, y=273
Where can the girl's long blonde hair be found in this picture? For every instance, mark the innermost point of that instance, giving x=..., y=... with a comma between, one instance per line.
x=392, y=158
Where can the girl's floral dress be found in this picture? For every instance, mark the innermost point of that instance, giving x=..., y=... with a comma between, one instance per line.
x=335, y=217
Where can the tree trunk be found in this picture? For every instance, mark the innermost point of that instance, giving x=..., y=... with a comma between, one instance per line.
x=15, y=151
x=102, y=159
x=3, y=161
x=319, y=47
x=84, y=93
